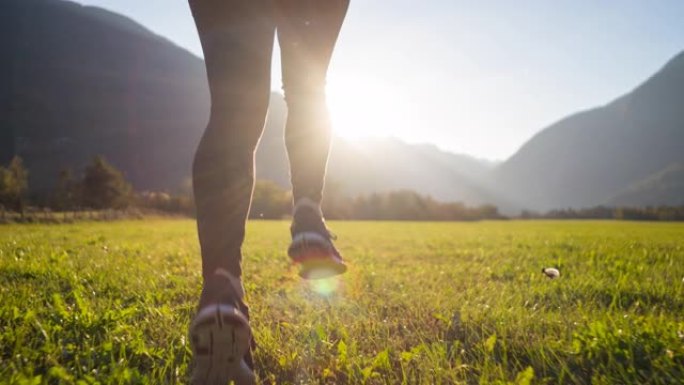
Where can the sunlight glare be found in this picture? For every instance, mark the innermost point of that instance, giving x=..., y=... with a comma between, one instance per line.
x=326, y=286
x=366, y=107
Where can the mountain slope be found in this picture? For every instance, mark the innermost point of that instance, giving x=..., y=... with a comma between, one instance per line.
x=85, y=81
x=665, y=187
x=588, y=158
x=364, y=167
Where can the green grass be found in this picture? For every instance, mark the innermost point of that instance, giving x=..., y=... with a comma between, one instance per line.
x=422, y=303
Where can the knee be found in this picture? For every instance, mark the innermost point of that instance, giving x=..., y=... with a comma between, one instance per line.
x=306, y=95
x=235, y=123
x=222, y=151
x=239, y=108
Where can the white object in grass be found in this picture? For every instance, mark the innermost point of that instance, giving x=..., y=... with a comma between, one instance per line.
x=551, y=272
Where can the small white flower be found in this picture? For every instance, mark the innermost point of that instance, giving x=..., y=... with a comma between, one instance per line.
x=551, y=272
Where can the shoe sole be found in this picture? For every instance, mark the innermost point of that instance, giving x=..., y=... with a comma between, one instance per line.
x=220, y=337
x=315, y=257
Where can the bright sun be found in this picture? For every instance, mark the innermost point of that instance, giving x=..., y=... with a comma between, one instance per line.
x=364, y=107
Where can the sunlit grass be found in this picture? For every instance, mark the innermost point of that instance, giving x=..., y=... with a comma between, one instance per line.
x=422, y=303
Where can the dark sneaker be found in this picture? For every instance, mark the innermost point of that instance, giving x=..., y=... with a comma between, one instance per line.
x=220, y=335
x=312, y=247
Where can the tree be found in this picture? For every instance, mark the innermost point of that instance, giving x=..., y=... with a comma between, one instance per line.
x=66, y=193
x=104, y=187
x=13, y=185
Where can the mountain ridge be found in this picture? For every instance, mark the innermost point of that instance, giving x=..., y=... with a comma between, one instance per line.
x=586, y=158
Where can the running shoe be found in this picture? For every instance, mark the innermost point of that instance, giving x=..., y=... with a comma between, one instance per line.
x=312, y=243
x=220, y=335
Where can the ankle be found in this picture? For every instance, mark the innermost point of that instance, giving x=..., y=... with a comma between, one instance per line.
x=309, y=203
x=234, y=281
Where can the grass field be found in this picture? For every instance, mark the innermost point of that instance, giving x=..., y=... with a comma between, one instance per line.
x=423, y=303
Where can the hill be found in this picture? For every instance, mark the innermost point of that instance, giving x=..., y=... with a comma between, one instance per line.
x=84, y=81
x=665, y=187
x=593, y=157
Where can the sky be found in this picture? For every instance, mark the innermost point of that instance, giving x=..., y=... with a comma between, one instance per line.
x=479, y=78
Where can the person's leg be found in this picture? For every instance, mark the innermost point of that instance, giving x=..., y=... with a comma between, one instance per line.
x=237, y=40
x=307, y=32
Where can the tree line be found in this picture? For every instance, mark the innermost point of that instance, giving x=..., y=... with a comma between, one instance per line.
x=270, y=201
x=101, y=186
x=649, y=213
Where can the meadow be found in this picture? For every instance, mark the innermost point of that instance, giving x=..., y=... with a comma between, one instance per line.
x=422, y=303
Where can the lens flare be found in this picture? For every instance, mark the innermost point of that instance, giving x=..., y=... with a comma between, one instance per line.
x=325, y=286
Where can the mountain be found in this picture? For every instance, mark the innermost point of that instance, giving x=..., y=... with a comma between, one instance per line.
x=83, y=81
x=603, y=155
x=381, y=165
